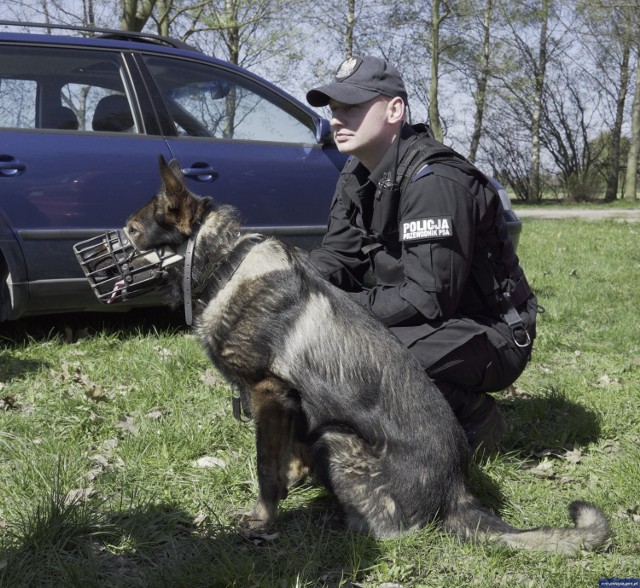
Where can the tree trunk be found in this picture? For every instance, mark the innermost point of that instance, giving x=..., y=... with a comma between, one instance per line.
x=351, y=25
x=539, y=82
x=232, y=40
x=434, y=109
x=613, y=175
x=481, y=93
x=135, y=14
x=630, y=185
x=163, y=11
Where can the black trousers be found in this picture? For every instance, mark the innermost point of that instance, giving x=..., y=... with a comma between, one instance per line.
x=476, y=355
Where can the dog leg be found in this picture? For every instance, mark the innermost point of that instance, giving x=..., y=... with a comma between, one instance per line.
x=299, y=464
x=275, y=411
x=300, y=461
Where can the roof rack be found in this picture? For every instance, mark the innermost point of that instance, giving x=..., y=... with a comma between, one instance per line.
x=102, y=33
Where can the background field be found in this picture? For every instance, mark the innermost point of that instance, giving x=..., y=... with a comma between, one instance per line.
x=120, y=463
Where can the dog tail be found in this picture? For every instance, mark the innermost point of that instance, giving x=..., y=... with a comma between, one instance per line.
x=590, y=531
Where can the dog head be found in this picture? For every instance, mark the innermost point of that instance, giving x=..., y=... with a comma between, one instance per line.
x=171, y=216
x=128, y=262
x=124, y=263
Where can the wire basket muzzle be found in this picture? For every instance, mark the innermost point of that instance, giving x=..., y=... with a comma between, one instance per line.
x=117, y=270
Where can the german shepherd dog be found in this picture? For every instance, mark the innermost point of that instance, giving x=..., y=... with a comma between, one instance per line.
x=329, y=387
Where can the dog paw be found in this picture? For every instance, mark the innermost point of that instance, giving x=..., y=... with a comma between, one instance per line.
x=251, y=523
x=259, y=519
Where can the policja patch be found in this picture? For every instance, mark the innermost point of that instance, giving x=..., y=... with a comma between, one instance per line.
x=439, y=227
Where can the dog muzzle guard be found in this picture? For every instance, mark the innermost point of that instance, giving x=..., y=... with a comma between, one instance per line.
x=117, y=270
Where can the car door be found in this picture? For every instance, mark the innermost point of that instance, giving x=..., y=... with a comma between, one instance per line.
x=243, y=142
x=76, y=158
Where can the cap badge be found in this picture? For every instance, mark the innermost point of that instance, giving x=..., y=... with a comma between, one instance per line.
x=347, y=67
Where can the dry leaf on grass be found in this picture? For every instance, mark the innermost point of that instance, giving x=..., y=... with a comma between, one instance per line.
x=78, y=495
x=200, y=519
x=212, y=378
x=605, y=381
x=632, y=513
x=514, y=391
x=209, y=461
x=156, y=413
x=74, y=374
x=103, y=463
x=127, y=425
x=163, y=352
x=544, y=470
x=574, y=456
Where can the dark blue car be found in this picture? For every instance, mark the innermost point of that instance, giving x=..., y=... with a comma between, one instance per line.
x=82, y=122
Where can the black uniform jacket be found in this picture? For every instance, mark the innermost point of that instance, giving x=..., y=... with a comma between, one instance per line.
x=438, y=250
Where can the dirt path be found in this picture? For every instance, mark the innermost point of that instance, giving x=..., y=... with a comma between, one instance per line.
x=619, y=214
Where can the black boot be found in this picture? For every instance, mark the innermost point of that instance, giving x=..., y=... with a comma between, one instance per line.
x=478, y=414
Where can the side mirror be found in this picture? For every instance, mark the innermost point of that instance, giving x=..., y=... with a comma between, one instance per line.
x=324, y=135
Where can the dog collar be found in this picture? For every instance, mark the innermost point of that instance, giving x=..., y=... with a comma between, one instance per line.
x=222, y=272
x=187, y=277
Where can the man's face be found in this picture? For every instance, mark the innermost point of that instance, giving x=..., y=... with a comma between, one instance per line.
x=361, y=129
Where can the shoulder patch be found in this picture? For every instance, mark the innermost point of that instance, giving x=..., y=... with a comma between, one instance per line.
x=425, y=170
x=426, y=229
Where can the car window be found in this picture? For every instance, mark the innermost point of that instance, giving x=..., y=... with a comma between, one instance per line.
x=205, y=101
x=17, y=103
x=63, y=89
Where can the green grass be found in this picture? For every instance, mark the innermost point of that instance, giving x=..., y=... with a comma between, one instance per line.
x=563, y=203
x=99, y=440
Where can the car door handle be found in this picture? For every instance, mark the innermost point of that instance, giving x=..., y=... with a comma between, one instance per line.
x=201, y=172
x=10, y=166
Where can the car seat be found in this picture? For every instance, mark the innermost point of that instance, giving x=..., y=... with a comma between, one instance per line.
x=113, y=114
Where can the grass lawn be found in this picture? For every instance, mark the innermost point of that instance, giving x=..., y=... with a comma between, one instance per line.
x=121, y=466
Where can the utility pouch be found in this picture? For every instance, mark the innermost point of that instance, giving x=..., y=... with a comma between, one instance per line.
x=384, y=220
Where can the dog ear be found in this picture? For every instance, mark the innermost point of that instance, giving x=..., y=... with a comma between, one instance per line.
x=172, y=180
x=174, y=166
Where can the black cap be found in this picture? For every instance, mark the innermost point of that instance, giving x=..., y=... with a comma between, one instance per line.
x=360, y=79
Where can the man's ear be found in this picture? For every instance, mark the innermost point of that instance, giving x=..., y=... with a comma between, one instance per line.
x=395, y=110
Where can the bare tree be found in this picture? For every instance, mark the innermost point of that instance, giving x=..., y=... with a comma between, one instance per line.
x=480, y=95
x=534, y=39
x=437, y=18
x=540, y=67
x=631, y=179
x=566, y=128
x=610, y=29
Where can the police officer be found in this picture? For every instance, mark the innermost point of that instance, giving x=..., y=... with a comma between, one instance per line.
x=417, y=235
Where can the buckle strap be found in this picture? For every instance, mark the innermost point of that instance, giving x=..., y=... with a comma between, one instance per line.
x=519, y=292
x=515, y=323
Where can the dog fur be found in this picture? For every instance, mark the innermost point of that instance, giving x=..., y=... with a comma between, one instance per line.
x=329, y=387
